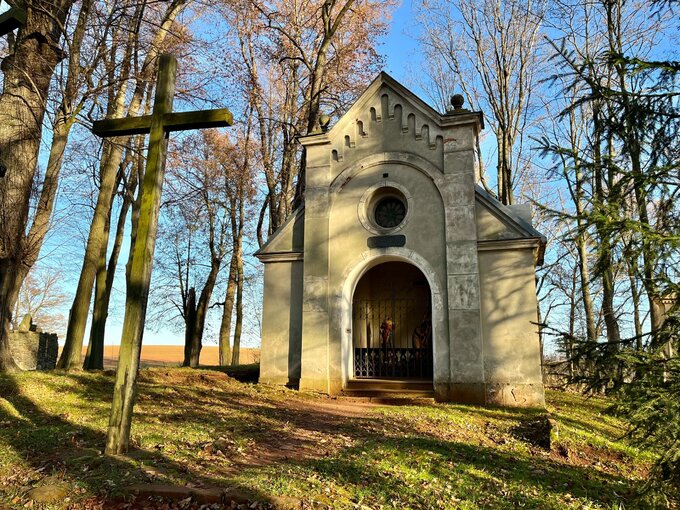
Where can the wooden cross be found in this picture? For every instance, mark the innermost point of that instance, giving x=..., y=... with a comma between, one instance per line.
x=12, y=19
x=158, y=125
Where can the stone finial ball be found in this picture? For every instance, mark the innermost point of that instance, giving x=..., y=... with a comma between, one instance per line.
x=324, y=120
x=457, y=101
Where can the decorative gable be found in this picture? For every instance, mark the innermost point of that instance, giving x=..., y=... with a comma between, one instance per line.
x=386, y=117
x=386, y=108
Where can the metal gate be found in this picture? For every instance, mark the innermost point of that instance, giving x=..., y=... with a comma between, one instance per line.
x=392, y=338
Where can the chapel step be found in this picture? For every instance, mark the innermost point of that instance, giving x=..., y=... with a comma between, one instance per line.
x=389, y=388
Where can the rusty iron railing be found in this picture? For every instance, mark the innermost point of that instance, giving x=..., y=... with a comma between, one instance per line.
x=392, y=338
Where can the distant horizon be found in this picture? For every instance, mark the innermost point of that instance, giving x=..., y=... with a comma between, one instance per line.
x=173, y=355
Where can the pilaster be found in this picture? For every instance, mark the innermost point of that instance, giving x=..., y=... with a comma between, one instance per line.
x=315, y=300
x=458, y=191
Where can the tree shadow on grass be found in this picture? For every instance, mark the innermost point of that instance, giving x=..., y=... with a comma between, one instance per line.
x=195, y=407
x=378, y=464
x=69, y=447
x=58, y=447
x=594, y=404
x=430, y=473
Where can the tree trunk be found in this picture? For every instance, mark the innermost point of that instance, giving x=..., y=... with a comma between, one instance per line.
x=27, y=73
x=94, y=360
x=604, y=202
x=228, y=311
x=572, y=169
x=504, y=166
x=609, y=311
x=635, y=298
x=235, y=357
x=71, y=355
x=192, y=352
x=569, y=347
x=238, y=249
x=584, y=272
x=202, y=307
x=539, y=317
x=7, y=279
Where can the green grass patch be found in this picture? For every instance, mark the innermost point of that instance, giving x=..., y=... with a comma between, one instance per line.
x=204, y=428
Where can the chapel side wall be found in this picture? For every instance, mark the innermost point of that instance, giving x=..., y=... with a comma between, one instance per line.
x=281, y=323
x=490, y=228
x=512, y=364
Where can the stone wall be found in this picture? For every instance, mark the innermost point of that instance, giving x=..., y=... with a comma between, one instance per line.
x=31, y=348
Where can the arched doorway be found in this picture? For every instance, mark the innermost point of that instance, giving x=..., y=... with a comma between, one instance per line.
x=392, y=324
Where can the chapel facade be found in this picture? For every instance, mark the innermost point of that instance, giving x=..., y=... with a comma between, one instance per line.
x=399, y=270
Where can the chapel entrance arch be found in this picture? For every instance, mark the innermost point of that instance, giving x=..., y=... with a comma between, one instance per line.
x=392, y=324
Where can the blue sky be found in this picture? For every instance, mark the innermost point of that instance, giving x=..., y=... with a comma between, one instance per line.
x=400, y=47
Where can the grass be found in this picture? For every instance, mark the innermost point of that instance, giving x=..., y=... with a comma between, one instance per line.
x=205, y=429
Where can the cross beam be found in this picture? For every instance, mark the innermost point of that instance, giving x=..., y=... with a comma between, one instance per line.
x=12, y=19
x=161, y=122
x=171, y=122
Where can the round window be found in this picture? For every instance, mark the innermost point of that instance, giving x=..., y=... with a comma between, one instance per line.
x=390, y=212
x=385, y=208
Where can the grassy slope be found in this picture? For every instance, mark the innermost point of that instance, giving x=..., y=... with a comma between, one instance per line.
x=201, y=427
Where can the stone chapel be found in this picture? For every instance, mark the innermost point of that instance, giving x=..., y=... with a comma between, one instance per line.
x=399, y=271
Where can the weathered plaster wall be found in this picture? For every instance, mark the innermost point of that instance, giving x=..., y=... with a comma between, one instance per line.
x=282, y=323
x=512, y=364
x=425, y=248
x=489, y=227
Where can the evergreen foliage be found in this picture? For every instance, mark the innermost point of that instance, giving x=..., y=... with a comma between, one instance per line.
x=631, y=165
x=650, y=403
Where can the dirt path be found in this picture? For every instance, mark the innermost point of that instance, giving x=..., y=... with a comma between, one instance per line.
x=315, y=429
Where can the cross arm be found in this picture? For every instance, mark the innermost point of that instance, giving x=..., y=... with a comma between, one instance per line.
x=11, y=20
x=181, y=121
x=122, y=127
x=200, y=119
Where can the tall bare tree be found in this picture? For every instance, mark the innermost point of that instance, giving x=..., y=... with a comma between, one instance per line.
x=293, y=60
x=198, y=203
x=74, y=92
x=106, y=271
x=571, y=168
x=236, y=160
x=27, y=73
x=490, y=50
x=42, y=296
x=111, y=160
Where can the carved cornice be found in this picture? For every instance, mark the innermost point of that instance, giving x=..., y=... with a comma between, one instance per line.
x=292, y=256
